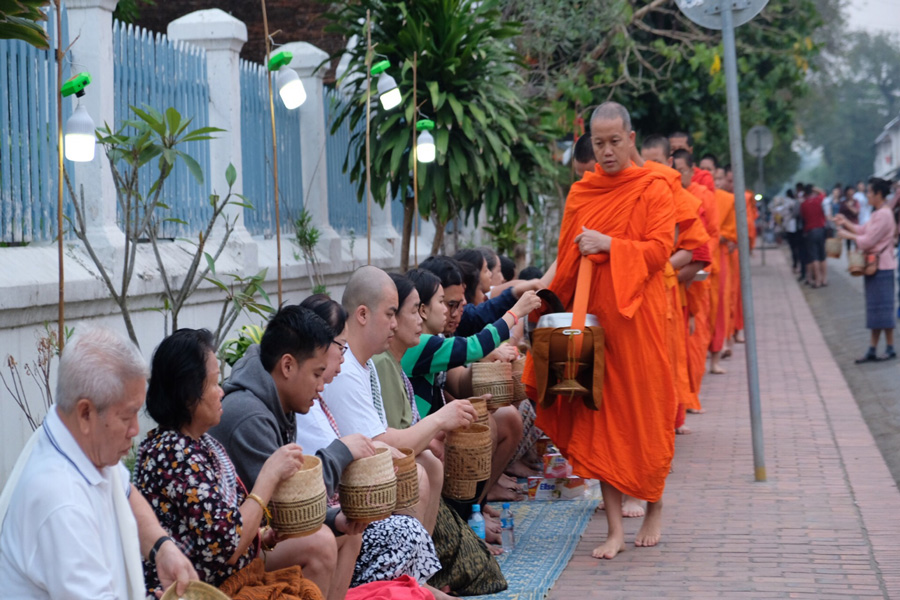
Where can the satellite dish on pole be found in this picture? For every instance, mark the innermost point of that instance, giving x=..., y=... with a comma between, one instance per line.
x=708, y=13
x=759, y=141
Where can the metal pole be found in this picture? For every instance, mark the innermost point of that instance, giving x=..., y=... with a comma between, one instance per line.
x=274, y=151
x=761, y=191
x=60, y=55
x=415, y=121
x=740, y=206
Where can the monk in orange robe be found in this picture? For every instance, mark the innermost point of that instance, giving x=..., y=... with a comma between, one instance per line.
x=721, y=320
x=621, y=217
x=699, y=297
x=681, y=140
x=691, y=235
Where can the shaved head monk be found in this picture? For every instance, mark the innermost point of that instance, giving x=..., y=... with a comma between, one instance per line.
x=583, y=156
x=619, y=225
x=681, y=140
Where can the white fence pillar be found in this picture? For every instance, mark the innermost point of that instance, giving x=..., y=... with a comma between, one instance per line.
x=90, y=30
x=306, y=60
x=222, y=36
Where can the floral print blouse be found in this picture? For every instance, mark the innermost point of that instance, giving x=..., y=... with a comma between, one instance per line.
x=195, y=493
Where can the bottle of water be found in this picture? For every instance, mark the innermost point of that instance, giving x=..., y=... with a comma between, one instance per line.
x=507, y=528
x=476, y=521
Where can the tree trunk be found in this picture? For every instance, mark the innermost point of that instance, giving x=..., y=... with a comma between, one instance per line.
x=408, y=209
x=438, y=236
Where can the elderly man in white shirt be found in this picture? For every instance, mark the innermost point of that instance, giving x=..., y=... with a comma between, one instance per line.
x=71, y=524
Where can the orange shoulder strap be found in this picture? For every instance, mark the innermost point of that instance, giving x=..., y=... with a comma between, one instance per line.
x=579, y=308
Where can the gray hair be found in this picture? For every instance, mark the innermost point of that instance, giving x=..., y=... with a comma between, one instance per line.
x=610, y=111
x=97, y=364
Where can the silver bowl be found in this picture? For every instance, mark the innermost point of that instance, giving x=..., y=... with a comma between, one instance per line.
x=701, y=275
x=564, y=319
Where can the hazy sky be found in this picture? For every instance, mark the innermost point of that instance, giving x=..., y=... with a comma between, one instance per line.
x=874, y=15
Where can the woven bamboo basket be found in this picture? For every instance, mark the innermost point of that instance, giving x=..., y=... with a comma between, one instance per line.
x=196, y=590
x=833, y=247
x=481, y=409
x=299, y=502
x=467, y=453
x=407, y=480
x=459, y=490
x=518, y=368
x=368, y=488
x=495, y=379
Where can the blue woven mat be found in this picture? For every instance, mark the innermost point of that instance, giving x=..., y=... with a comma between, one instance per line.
x=546, y=536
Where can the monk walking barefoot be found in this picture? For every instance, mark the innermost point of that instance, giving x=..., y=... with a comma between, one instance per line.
x=618, y=230
x=651, y=529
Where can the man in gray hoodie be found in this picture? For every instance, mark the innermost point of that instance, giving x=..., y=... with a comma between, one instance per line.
x=268, y=385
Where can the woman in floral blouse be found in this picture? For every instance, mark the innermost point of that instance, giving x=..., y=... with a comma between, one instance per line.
x=186, y=475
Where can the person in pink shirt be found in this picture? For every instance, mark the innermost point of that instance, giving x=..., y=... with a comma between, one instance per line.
x=878, y=236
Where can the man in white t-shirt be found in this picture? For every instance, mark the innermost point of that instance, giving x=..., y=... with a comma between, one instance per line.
x=865, y=211
x=354, y=396
x=73, y=526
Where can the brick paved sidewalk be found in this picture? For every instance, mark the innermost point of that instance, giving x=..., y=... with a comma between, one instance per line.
x=826, y=524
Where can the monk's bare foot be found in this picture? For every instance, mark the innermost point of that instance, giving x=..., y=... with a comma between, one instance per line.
x=520, y=469
x=717, y=370
x=632, y=507
x=501, y=493
x=651, y=528
x=490, y=511
x=609, y=549
x=683, y=430
x=601, y=506
x=726, y=353
x=694, y=411
x=739, y=338
x=493, y=549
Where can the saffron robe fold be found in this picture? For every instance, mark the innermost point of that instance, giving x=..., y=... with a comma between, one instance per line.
x=629, y=442
x=721, y=319
x=704, y=178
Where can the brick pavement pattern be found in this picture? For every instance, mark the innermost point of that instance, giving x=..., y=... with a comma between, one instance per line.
x=825, y=525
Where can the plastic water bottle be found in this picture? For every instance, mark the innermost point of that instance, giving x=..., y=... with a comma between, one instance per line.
x=476, y=521
x=507, y=528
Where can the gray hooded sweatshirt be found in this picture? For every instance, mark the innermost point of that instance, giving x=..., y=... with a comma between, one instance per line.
x=254, y=426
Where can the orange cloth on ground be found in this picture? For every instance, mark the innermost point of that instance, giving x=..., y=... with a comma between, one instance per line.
x=721, y=312
x=704, y=178
x=629, y=442
x=253, y=582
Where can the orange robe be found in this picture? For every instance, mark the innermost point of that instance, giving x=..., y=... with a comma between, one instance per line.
x=691, y=236
x=752, y=215
x=629, y=442
x=704, y=178
x=699, y=297
x=721, y=321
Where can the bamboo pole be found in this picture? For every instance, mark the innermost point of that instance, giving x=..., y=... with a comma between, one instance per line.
x=368, y=136
x=415, y=122
x=274, y=149
x=60, y=54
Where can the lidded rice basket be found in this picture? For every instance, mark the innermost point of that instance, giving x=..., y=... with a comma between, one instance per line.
x=299, y=502
x=368, y=488
x=407, y=479
x=196, y=590
x=467, y=460
x=479, y=403
x=493, y=378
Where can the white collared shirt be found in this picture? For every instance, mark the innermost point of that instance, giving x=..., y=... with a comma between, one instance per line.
x=60, y=537
x=350, y=399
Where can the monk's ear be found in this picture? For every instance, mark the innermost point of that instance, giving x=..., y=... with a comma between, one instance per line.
x=631, y=137
x=361, y=314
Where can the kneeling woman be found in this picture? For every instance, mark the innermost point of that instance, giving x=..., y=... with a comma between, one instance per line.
x=191, y=483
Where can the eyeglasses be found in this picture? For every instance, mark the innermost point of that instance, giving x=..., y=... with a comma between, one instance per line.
x=343, y=347
x=453, y=306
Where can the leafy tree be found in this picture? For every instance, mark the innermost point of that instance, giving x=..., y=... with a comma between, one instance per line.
x=852, y=99
x=467, y=83
x=667, y=70
x=20, y=20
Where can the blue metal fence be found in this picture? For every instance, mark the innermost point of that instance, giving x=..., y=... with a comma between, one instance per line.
x=28, y=138
x=152, y=70
x=345, y=211
x=256, y=151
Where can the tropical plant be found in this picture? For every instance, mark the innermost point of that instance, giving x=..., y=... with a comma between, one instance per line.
x=307, y=236
x=20, y=20
x=240, y=297
x=466, y=80
x=235, y=348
